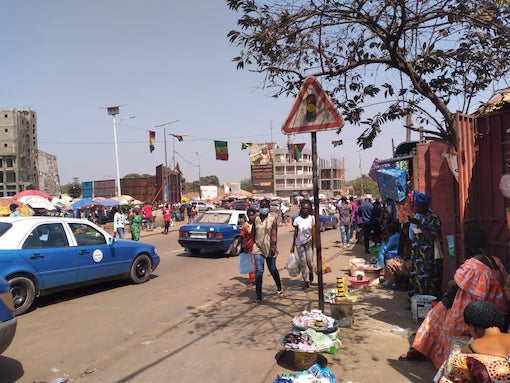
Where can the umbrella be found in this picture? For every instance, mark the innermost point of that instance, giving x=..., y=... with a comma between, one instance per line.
x=29, y=193
x=37, y=202
x=60, y=203
x=5, y=202
x=122, y=201
x=105, y=202
x=185, y=200
x=80, y=203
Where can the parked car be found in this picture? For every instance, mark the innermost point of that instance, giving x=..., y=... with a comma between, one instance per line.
x=212, y=230
x=328, y=219
x=8, y=321
x=238, y=205
x=41, y=255
x=203, y=206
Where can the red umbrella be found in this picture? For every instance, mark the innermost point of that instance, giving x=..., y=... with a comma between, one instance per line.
x=29, y=193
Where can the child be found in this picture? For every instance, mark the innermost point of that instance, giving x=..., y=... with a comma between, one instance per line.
x=247, y=234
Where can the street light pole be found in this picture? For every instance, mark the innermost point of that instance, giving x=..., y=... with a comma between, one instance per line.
x=361, y=175
x=166, y=190
x=113, y=111
x=199, y=185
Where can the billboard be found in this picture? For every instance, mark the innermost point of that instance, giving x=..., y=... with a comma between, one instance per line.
x=262, y=174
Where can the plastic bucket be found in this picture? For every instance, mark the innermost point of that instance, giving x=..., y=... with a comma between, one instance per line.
x=356, y=266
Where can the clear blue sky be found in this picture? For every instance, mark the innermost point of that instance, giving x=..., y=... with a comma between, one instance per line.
x=162, y=60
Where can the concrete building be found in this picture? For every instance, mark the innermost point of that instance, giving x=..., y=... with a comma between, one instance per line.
x=18, y=151
x=293, y=178
x=332, y=177
x=22, y=165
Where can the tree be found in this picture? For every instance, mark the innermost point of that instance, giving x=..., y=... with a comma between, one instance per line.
x=246, y=184
x=426, y=58
x=73, y=189
x=369, y=186
x=136, y=175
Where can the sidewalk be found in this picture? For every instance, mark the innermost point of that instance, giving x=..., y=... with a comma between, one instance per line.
x=232, y=340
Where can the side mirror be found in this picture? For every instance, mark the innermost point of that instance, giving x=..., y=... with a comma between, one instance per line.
x=111, y=241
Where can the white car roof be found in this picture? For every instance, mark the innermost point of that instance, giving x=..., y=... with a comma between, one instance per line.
x=22, y=226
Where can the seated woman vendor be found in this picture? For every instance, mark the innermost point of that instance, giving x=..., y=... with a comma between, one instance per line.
x=486, y=357
x=391, y=244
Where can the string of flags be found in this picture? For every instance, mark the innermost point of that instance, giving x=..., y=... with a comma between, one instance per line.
x=221, y=148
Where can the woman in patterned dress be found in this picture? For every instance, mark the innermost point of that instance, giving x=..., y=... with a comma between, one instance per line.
x=480, y=277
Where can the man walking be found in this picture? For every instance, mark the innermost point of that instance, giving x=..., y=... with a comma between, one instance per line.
x=365, y=211
x=265, y=248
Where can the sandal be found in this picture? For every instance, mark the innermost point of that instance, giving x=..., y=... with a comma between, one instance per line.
x=412, y=355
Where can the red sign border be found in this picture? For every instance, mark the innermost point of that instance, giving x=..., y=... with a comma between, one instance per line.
x=338, y=123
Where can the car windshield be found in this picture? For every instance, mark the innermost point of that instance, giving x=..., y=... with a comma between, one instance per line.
x=222, y=218
x=4, y=226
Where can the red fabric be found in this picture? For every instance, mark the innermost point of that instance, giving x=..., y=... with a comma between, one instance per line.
x=147, y=211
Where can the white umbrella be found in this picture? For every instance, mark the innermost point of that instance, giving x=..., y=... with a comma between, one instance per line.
x=37, y=202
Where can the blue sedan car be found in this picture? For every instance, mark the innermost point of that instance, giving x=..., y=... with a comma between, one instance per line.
x=213, y=230
x=8, y=321
x=328, y=219
x=40, y=255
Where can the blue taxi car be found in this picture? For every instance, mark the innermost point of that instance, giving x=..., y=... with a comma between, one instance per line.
x=212, y=231
x=41, y=255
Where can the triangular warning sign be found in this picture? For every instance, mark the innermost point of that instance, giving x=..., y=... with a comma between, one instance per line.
x=312, y=111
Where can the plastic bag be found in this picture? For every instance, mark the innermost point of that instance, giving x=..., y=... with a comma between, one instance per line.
x=245, y=263
x=293, y=265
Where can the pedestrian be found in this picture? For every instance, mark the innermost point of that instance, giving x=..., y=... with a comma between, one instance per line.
x=167, y=218
x=247, y=235
x=189, y=212
x=149, y=216
x=265, y=248
x=426, y=265
x=303, y=241
x=14, y=210
x=344, y=217
x=284, y=209
x=365, y=211
x=136, y=224
x=119, y=222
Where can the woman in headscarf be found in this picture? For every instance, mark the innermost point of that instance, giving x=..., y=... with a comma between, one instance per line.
x=480, y=277
x=426, y=271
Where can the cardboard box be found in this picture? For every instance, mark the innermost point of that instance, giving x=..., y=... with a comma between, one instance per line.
x=420, y=306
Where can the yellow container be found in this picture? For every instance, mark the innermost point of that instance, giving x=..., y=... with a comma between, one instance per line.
x=305, y=360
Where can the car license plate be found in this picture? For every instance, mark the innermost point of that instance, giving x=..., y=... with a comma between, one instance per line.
x=197, y=235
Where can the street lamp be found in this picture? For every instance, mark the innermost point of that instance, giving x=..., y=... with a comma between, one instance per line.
x=113, y=111
x=199, y=188
x=167, y=181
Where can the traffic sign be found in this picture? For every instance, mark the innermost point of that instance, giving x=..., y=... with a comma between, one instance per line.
x=312, y=111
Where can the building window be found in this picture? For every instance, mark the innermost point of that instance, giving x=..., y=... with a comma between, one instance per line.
x=1, y=163
x=6, y=130
x=1, y=177
x=9, y=162
x=11, y=177
x=5, y=116
x=5, y=145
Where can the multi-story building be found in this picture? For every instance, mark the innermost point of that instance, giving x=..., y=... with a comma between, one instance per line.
x=18, y=151
x=293, y=178
x=332, y=176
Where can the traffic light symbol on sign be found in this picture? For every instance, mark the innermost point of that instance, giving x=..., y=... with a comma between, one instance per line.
x=311, y=107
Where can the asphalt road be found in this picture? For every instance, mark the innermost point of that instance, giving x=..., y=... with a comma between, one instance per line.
x=71, y=332
x=193, y=322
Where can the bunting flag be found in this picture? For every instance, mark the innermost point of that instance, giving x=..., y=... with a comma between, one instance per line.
x=221, y=148
x=152, y=140
x=336, y=143
x=295, y=151
x=178, y=169
x=179, y=138
x=245, y=145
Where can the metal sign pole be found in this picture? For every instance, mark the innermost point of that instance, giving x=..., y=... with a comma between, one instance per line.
x=318, y=247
